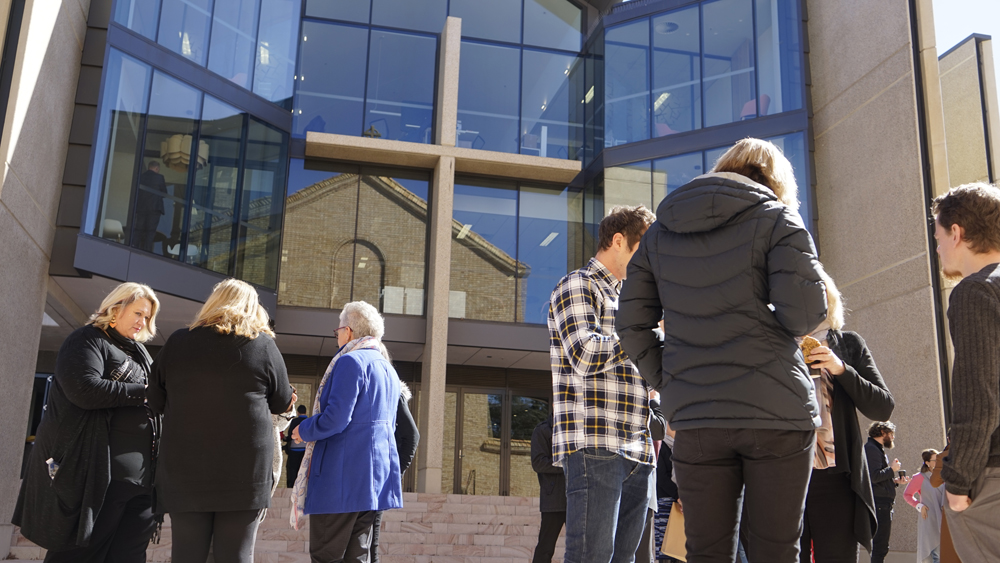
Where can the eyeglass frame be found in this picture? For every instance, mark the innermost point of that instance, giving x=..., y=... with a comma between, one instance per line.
x=336, y=331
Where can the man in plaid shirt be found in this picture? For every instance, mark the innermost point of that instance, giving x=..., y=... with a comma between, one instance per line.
x=600, y=402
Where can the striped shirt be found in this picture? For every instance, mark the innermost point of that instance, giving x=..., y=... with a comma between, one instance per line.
x=599, y=398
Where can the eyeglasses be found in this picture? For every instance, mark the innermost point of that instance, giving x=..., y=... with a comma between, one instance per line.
x=336, y=331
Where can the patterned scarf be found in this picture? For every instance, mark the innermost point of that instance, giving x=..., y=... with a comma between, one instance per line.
x=298, y=516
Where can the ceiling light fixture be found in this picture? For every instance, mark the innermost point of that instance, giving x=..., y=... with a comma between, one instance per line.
x=549, y=239
x=666, y=28
x=589, y=96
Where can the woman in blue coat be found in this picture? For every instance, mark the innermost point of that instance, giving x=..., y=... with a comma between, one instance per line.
x=351, y=467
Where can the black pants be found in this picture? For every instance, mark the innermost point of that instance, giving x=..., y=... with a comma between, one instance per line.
x=880, y=543
x=229, y=534
x=376, y=528
x=713, y=466
x=334, y=538
x=828, y=524
x=121, y=531
x=548, y=534
x=292, y=467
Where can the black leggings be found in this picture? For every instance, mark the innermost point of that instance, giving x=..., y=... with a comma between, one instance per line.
x=121, y=532
x=828, y=522
x=230, y=535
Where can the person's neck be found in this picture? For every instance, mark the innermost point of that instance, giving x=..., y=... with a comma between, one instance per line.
x=975, y=262
x=607, y=258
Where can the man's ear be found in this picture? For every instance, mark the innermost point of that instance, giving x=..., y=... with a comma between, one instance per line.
x=957, y=232
x=619, y=240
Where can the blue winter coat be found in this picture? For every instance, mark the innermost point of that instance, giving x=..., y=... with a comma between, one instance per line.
x=355, y=466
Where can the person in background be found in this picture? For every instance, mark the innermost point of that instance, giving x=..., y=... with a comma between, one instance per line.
x=407, y=438
x=657, y=431
x=881, y=437
x=551, y=491
x=840, y=511
x=149, y=206
x=351, y=468
x=295, y=450
x=732, y=270
x=967, y=230
x=928, y=500
x=216, y=482
x=99, y=438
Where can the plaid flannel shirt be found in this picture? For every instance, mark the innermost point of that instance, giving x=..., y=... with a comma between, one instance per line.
x=599, y=398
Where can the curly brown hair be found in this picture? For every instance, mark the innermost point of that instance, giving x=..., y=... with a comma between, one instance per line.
x=974, y=207
x=630, y=221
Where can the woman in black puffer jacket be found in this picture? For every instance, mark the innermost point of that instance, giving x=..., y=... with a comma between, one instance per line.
x=732, y=271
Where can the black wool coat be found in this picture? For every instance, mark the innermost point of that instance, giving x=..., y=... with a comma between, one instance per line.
x=551, y=479
x=59, y=513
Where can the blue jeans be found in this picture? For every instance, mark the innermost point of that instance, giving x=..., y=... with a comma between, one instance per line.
x=934, y=557
x=606, y=500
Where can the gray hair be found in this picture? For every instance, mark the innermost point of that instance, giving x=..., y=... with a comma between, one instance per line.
x=364, y=319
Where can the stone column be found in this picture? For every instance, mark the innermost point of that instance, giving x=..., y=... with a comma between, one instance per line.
x=435, y=357
x=988, y=77
x=447, y=87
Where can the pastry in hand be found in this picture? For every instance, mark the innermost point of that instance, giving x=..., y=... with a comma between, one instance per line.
x=807, y=345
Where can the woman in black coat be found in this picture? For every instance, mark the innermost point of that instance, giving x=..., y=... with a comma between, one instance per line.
x=840, y=508
x=217, y=385
x=87, y=490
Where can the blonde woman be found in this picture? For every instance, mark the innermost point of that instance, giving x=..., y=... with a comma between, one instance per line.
x=732, y=271
x=87, y=495
x=217, y=384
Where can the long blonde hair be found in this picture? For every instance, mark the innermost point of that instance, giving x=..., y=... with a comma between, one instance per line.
x=123, y=296
x=764, y=163
x=234, y=308
x=834, y=301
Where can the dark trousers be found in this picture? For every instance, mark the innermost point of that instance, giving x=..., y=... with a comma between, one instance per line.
x=121, y=531
x=376, y=529
x=880, y=543
x=828, y=524
x=145, y=230
x=548, y=534
x=292, y=468
x=229, y=534
x=713, y=466
x=334, y=538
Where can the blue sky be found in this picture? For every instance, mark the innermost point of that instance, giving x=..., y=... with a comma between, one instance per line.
x=954, y=20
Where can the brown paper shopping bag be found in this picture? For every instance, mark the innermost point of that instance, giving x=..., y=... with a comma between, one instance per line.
x=674, y=538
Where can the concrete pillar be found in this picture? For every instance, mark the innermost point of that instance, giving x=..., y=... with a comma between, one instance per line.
x=435, y=357
x=447, y=86
x=989, y=79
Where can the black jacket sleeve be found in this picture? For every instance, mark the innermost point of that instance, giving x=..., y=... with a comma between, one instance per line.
x=156, y=390
x=541, y=450
x=862, y=380
x=640, y=311
x=876, y=459
x=80, y=370
x=657, y=423
x=281, y=393
x=796, y=290
x=407, y=436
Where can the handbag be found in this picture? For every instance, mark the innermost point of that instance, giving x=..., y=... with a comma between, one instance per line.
x=674, y=538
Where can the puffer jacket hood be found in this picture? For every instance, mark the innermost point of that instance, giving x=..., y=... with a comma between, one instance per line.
x=733, y=273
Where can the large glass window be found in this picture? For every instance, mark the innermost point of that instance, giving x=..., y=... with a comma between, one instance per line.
x=234, y=39
x=141, y=16
x=730, y=83
x=330, y=95
x=676, y=72
x=277, y=41
x=779, y=62
x=261, y=204
x=673, y=172
x=549, y=244
x=551, y=105
x=347, y=10
x=184, y=28
x=553, y=23
x=399, y=103
x=487, y=97
x=423, y=15
x=626, y=83
x=631, y=184
x=499, y=20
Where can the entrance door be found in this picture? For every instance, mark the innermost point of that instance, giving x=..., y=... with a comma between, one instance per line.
x=481, y=445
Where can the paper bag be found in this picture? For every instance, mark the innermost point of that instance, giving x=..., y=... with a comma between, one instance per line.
x=674, y=538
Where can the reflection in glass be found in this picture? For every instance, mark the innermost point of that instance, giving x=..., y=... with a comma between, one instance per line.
x=778, y=56
x=482, y=424
x=138, y=15
x=347, y=10
x=676, y=72
x=626, y=83
x=184, y=28
x=499, y=20
x=549, y=229
x=483, y=251
x=487, y=97
x=213, y=198
x=729, y=78
x=448, y=448
x=553, y=23
x=713, y=155
x=425, y=15
x=260, y=207
x=593, y=98
x=525, y=414
x=330, y=91
x=551, y=105
x=631, y=184
x=277, y=41
x=234, y=30
x=673, y=172
x=170, y=144
x=400, y=96
x=116, y=149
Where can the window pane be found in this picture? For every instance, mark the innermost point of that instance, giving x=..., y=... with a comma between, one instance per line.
x=794, y=148
x=672, y=173
x=626, y=83
x=213, y=198
x=483, y=252
x=676, y=72
x=712, y=155
x=274, y=75
x=260, y=209
x=488, y=97
x=778, y=55
x=139, y=15
x=482, y=419
x=400, y=99
x=330, y=91
x=593, y=99
x=161, y=208
x=234, y=31
x=550, y=243
x=391, y=241
x=184, y=28
x=525, y=414
x=419, y=15
x=347, y=10
x=631, y=184
x=729, y=84
x=116, y=150
x=553, y=23
x=316, y=263
x=489, y=19
x=551, y=108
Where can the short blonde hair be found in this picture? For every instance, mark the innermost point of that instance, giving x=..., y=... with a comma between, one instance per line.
x=764, y=163
x=234, y=308
x=123, y=296
x=834, y=302
x=364, y=319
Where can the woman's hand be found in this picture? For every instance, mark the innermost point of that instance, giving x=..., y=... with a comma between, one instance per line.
x=923, y=512
x=823, y=357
